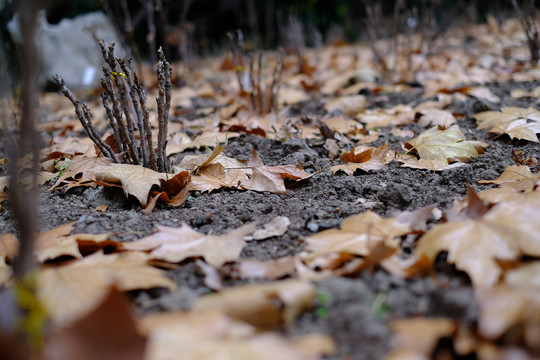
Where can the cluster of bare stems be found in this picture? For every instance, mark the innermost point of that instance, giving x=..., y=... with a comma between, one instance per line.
x=252, y=81
x=407, y=21
x=128, y=117
x=527, y=17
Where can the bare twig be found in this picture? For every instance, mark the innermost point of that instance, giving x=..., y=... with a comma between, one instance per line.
x=237, y=50
x=527, y=18
x=83, y=113
x=164, y=74
x=276, y=82
x=146, y=123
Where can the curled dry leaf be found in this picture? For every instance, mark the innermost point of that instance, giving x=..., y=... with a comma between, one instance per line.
x=436, y=117
x=213, y=335
x=203, y=140
x=262, y=305
x=138, y=180
x=73, y=289
x=506, y=232
x=81, y=172
x=365, y=158
x=275, y=227
x=518, y=123
x=176, y=244
x=444, y=145
x=421, y=335
x=517, y=177
x=107, y=332
x=269, y=269
x=349, y=105
x=366, y=235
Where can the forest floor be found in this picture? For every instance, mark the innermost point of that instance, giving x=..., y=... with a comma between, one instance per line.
x=390, y=259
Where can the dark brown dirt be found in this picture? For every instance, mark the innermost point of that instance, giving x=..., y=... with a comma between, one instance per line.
x=354, y=311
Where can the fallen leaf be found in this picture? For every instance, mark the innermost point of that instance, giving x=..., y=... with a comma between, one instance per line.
x=517, y=177
x=517, y=122
x=71, y=290
x=138, y=180
x=9, y=246
x=271, y=178
x=102, y=207
x=349, y=105
x=444, y=145
x=269, y=269
x=203, y=140
x=210, y=335
x=176, y=244
x=506, y=232
x=436, y=117
x=421, y=335
x=365, y=158
x=5, y=271
x=275, y=227
x=107, y=332
x=411, y=161
x=503, y=307
x=81, y=171
x=262, y=305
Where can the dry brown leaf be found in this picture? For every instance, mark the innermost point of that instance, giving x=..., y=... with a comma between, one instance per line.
x=211, y=335
x=80, y=172
x=271, y=178
x=517, y=177
x=444, y=145
x=4, y=182
x=517, y=122
x=71, y=290
x=262, y=305
x=269, y=269
x=349, y=105
x=215, y=176
x=275, y=227
x=203, y=140
x=397, y=115
x=506, y=232
x=436, y=117
x=5, y=272
x=135, y=180
x=503, y=307
x=9, y=246
x=176, y=244
x=411, y=161
x=365, y=158
x=108, y=332
x=421, y=335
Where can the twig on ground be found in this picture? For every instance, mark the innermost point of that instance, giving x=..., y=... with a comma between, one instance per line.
x=164, y=74
x=276, y=82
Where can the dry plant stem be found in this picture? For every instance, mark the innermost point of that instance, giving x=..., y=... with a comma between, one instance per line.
x=151, y=36
x=259, y=82
x=107, y=85
x=85, y=117
x=127, y=68
x=112, y=121
x=237, y=50
x=24, y=201
x=146, y=123
x=164, y=73
x=253, y=85
x=276, y=82
x=528, y=23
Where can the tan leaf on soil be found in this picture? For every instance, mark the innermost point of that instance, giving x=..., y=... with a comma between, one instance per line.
x=176, y=244
x=72, y=290
x=350, y=105
x=135, y=180
x=411, y=161
x=517, y=177
x=505, y=232
x=211, y=335
x=421, y=335
x=444, y=145
x=9, y=246
x=436, y=117
x=517, y=122
x=503, y=307
x=205, y=139
x=262, y=305
x=271, y=178
x=4, y=181
x=275, y=227
x=365, y=158
x=83, y=166
x=108, y=332
x=269, y=269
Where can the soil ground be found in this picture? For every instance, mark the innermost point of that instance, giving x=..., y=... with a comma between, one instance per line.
x=356, y=310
